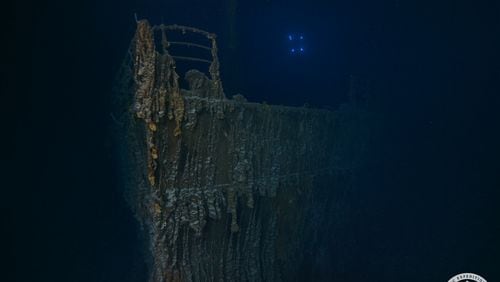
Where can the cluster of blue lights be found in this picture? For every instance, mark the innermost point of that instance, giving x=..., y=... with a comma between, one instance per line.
x=296, y=44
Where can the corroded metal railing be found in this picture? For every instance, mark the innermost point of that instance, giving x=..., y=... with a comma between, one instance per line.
x=214, y=68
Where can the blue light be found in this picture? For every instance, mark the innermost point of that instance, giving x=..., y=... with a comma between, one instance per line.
x=296, y=44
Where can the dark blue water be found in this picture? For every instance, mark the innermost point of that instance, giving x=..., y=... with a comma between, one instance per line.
x=427, y=209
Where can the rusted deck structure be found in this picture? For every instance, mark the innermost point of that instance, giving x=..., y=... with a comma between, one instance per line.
x=224, y=189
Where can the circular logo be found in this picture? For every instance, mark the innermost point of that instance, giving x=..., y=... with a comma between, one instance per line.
x=467, y=277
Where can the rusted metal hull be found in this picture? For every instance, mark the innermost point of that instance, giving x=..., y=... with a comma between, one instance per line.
x=227, y=190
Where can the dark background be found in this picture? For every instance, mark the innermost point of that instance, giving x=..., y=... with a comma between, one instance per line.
x=428, y=209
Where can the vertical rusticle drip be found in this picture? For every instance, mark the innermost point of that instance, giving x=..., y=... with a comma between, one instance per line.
x=144, y=78
x=176, y=102
x=144, y=70
x=214, y=70
x=170, y=82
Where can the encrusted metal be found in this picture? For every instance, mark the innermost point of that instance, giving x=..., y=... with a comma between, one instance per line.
x=224, y=189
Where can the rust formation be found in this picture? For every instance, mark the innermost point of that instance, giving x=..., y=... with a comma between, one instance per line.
x=224, y=189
